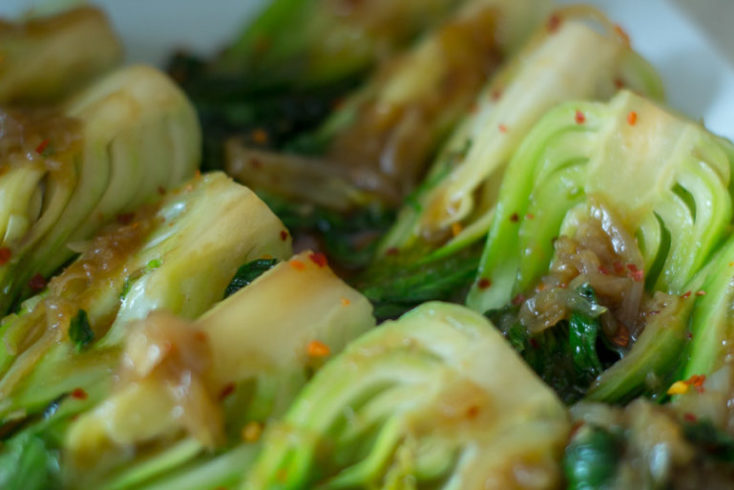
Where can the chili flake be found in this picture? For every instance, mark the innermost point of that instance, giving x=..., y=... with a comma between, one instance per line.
x=5, y=255
x=700, y=293
x=484, y=283
x=283, y=235
x=37, y=282
x=392, y=251
x=318, y=258
x=42, y=146
x=79, y=394
x=317, y=348
x=502, y=128
x=297, y=265
x=632, y=118
x=554, y=22
x=685, y=295
x=226, y=391
x=580, y=118
x=514, y=217
x=689, y=417
x=635, y=273
x=345, y=302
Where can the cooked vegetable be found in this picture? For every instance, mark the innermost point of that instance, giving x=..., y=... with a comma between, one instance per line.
x=421, y=402
x=303, y=42
x=112, y=147
x=566, y=59
x=646, y=446
x=394, y=123
x=45, y=59
x=188, y=387
x=178, y=255
x=634, y=207
x=452, y=209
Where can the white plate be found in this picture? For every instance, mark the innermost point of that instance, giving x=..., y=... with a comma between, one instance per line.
x=691, y=44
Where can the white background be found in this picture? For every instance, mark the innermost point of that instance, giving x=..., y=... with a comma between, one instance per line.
x=690, y=42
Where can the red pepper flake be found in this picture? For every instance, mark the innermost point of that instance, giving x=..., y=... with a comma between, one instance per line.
x=622, y=33
x=514, y=217
x=496, y=94
x=686, y=295
x=260, y=136
x=518, y=300
x=700, y=293
x=632, y=118
x=530, y=216
x=554, y=22
x=318, y=258
x=125, y=218
x=5, y=255
x=42, y=146
x=297, y=265
x=689, y=335
x=161, y=190
x=392, y=251
x=534, y=343
x=200, y=336
x=604, y=270
x=621, y=336
x=256, y=163
x=484, y=283
x=79, y=394
x=619, y=83
x=226, y=391
x=472, y=412
x=345, y=302
x=317, y=348
x=697, y=381
x=635, y=273
x=283, y=235
x=580, y=118
x=37, y=282
x=502, y=128
x=689, y=417
x=618, y=268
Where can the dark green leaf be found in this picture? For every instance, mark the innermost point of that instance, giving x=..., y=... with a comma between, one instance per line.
x=395, y=287
x=248, y=273
x=582, y=334
x=591, y=459
x=712, y=441
x=80, y=332
x=27, y=463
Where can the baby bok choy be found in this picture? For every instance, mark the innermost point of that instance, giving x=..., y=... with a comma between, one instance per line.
x=110, y=148
x=441, y=222
x=608, y=215
x=307, y=42
x=436, y=399
x=193, y=397
x=44, y=59
x=178, y=255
